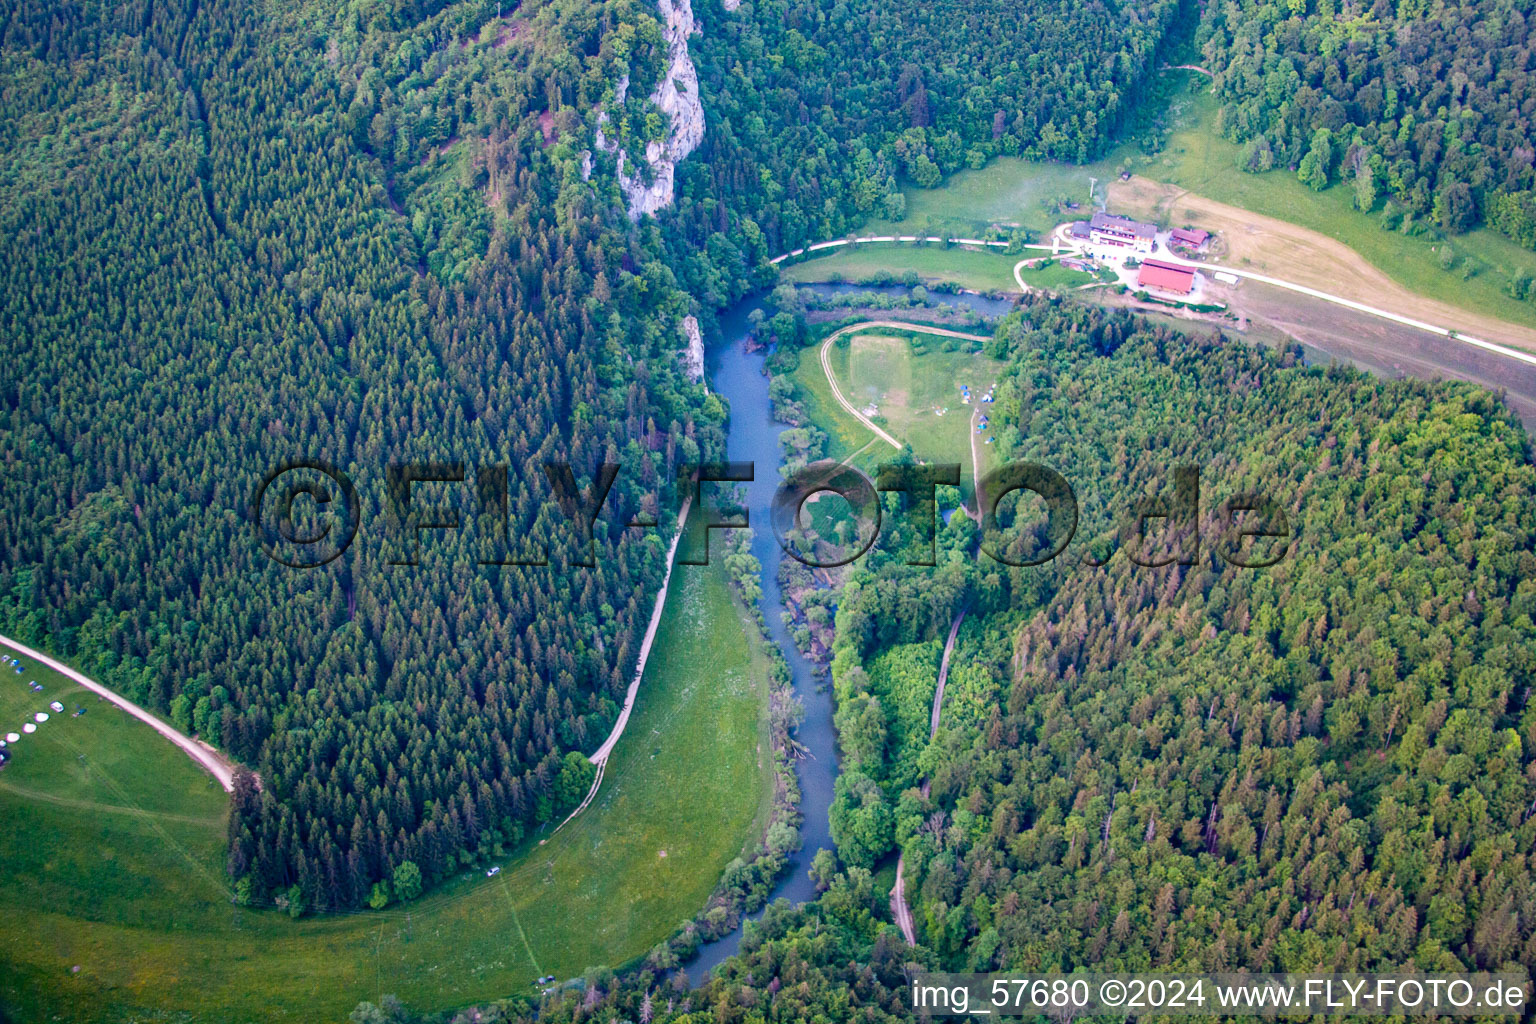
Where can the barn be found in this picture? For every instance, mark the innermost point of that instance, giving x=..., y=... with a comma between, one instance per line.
x=1166, y=277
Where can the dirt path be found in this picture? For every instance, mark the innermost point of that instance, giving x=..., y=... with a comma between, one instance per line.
x=27, y=793
x=899, y=908
x=600, y=756
x=975, y=470
x=837, y=392
x=1311, y=262
x=206, y=756
x=938, y=694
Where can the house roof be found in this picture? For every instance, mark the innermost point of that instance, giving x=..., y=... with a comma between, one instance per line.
x=1078, y=229
x=1115, y=222
x=1168, y=276
x=1189, y=236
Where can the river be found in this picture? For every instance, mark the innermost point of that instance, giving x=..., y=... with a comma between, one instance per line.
x=753, y=436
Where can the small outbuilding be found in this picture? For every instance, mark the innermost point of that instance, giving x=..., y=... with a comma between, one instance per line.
x=1188, y=238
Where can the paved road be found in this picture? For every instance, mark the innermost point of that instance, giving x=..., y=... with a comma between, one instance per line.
x=207, y=758
x=1058, y=244
x=836, y=242
x=1339, y=300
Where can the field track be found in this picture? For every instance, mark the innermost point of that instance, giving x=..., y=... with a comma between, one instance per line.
x=205, y=756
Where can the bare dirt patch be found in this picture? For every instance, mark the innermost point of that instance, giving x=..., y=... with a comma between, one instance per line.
x=1291, y=253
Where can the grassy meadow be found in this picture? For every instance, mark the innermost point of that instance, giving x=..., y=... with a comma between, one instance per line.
x=976, y=269
x=917, y=396
x=112, y=859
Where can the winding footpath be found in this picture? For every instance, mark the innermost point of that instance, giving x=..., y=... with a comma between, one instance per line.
x=837, y=392
x=600, y=756
x=899, y=907
x=205, y=756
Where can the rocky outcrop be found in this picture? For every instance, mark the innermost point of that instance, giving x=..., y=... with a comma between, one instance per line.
x=693, y=355
x=677, y=97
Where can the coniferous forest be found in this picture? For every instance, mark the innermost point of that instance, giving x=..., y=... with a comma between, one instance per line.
x=236, y=240
x=235, y=236
x=237, y=262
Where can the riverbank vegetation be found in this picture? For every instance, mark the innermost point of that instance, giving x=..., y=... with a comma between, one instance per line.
x=1285, y=750
x=1141, y=758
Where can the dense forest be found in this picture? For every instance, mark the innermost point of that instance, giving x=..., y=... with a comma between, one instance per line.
x=1320, y=765
x=817, y=113
x=369, y=235
x=1423, y=109
x=223, y=251
x=237, y=238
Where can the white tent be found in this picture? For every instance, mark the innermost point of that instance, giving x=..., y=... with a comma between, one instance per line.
x=29, y=727
x=41, y=716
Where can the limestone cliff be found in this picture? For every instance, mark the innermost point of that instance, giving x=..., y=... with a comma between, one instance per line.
x=693, y=355
x=677, y=97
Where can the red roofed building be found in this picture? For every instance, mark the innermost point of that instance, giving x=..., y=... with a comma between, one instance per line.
x=1189, y=238
x=1166, y=277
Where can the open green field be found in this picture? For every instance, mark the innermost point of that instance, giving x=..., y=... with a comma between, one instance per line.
x=916, y=396
x=1007, y=191
x=1055, y=277
x=969, y=268
x=112, y=859
x=1196, y=158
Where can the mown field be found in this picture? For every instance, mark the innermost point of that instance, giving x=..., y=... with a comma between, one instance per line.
x=970, y=268
x=1201, y=161
x=112, y=859
x=917, y=396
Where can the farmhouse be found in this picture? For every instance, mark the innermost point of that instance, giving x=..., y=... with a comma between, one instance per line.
x=1166, y=277
x=1078, y=230
x=1111, y=229
x=1188, y=238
